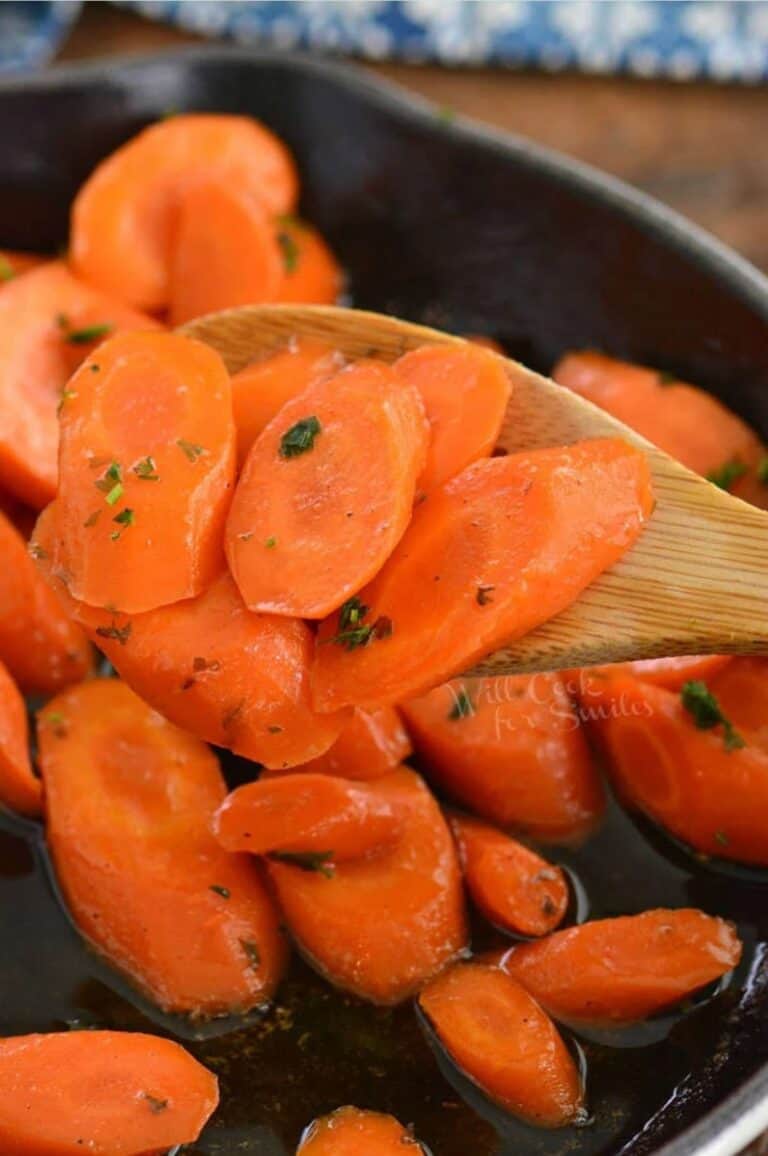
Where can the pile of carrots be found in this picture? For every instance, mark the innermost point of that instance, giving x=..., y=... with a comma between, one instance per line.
x=296, y=564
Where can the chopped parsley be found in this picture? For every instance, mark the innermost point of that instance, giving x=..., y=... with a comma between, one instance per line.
x=762, y=470
x=251, y=949
x=191, y=450
x=484, y=595
x=119, y=634
x=724, y=476
x=124, y=519
x=705, y=711
x=289, y=249
x=110, y=482
x=274, y=729
x=271, y=543
x=362, y=635
x=319, y=861
x=299, y=438
x=7, y=272
x=57, y=723
x=217, y=889
x=88, y=333
x=462, y=705
x=352, y=612
x=155, y=1104
x=199, y=664
x=65, y=395
x=92, y=519
x=146, y=470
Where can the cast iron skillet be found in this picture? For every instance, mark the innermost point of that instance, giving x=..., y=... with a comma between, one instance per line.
x=462, y=228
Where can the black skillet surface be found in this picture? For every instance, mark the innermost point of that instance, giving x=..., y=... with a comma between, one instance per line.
x=468, y=230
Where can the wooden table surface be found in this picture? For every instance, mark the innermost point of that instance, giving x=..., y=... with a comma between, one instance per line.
x=699, y=147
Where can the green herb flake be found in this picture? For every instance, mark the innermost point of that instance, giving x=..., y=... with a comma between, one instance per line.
x=299, y=438
x=191, y=450
x=146, y=470
x=110, y=479
x=114, y=495
x=217, y=889
x=484, y=595
x=705, y=711
x=119, y=634
x=762, y=470
x=7, y=272
x=319, y=861
x=289, y=249
x=724, y=476
x=355, y=636
x=462, y=705
x=199, y=664
x=95, y=368
x=155, y=1105
x=57, y=723
x=271, y=543
x=274, y=729
x=351, y=613
x=722, y=838
x=92, y=519
x=251, y=950
x=87, y=334
x=64, y=396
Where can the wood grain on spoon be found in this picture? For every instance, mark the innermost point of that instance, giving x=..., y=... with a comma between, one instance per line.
x=696, y=582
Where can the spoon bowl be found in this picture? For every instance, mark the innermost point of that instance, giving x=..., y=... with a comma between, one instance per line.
x=696, y=582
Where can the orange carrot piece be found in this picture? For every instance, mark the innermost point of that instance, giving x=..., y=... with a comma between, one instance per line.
x=311, y=274
x=741, y=689
x=684, y=421
x=48, y=322
x=370, y=744
x=147, y=463
x=381, y=927
x=225, y=252
x=671, y=673
x=697, y=783
x=20, y=789
x=42, y=648
x=498, y=550
x=231, y=677
x=354, y=1132
x=129, y=801
x=261, y=389
x=511, y=750
x=613, y=971
x=124, y=216
x=101, y=1092
x=513, y=887
x=307, y=814
x=505, y=1043
x=465, y=392
x=326, y=492
x=14, y=261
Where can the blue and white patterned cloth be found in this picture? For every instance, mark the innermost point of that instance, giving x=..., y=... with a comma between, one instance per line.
x=681, y=39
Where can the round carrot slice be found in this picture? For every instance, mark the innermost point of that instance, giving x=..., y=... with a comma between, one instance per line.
x=352, y=1132
x=502, y=1040
x=125, y=214
x=20, y=789
x=326, y=492
x=105, y=1093
x=146, y=471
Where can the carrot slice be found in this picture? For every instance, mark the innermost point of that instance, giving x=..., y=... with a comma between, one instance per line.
x=48, y=323
x=20, y=789
x=465, y=392
x=147, y=464
x=381, y=927
x=326, y=492
x=505, y=1043
x=106, y=1093
x=510, y=749
x=261, y=389
x=231, y=677
x=370, y=744
x=513, y=887
x=626, y=969
x=684, y=421
x=352, y=1132
x=671, y=673
x=307, y=814
x=14, y=261
x=42, y=648
x=498, y=550
x=225, y=252
x=698, y=783
x=124, y=216
x=129, y=801
x=311, y=273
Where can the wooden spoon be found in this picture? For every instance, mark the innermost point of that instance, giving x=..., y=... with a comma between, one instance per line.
x=696, y=582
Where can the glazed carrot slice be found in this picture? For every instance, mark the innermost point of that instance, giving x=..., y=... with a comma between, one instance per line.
x=674, y=764
x=351, y=1132
x=741, y=689
x=106, y=1093
x=261, y=389
x=513, y=887
x=307, y=814
x=381, y=927
x=20, y=789
x=370, y=744
x=231, y=677
x=311, y=273
x=626, y=969
x=671, y=673
x=42, y=648
x=129, y=801
x=511, y=750
x=124, y=216
x=225, y=252
x=505, y=1043
x=13, y=262
x=498, y=550
x=147, y=464
x=684, y=421
x=49, y=321
x=326, y=492
x=465, y=392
